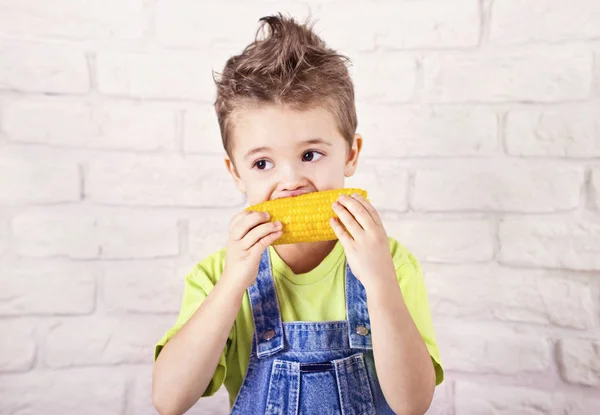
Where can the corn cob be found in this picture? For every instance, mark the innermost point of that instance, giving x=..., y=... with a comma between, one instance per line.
x=305, y=218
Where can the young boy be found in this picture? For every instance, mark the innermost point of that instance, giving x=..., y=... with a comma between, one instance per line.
x=328, y=327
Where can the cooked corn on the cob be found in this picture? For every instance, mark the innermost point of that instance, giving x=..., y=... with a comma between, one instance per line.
x=305, y=218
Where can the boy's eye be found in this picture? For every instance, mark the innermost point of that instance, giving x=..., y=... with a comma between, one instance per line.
x=311, y=156
x=263, y=164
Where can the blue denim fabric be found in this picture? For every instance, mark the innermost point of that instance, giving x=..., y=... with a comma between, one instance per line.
x=309, y=367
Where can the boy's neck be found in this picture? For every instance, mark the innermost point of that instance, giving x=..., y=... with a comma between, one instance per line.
x=304, y=257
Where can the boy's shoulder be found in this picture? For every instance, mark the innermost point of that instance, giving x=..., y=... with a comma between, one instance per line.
x=207, y=271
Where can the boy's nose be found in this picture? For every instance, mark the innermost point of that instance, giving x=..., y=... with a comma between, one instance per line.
x=292, y=179
x=293, y=183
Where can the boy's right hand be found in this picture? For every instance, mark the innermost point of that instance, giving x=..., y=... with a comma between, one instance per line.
x=250, y=233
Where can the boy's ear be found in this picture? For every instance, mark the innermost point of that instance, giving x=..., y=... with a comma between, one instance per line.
x=353, y=154
x=234, y=174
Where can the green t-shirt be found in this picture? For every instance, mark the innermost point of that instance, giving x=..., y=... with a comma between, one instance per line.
x=318, y=295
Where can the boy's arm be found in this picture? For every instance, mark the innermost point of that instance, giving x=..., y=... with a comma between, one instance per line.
x=186, y=364
x=403, y=363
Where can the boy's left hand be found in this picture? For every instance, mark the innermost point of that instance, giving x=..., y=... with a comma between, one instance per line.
x=364, y=240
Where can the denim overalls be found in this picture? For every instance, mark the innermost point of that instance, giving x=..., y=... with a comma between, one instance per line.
x=317, y=368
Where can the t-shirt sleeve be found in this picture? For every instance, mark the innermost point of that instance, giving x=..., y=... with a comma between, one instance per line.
x=198, y=284
x=412, y=284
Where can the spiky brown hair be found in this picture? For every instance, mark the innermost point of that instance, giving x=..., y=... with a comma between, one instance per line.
x=289, y=65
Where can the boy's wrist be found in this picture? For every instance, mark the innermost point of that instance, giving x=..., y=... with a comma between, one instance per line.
x=234, y=285
x=381, y=287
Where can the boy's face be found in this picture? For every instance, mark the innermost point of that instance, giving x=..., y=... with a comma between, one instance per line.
x=278, y=152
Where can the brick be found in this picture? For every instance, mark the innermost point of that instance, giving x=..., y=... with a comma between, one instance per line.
x=40, y=180
x=17, y=350
x=198, y=181
x=579, y=361
x=542, y=74
x=386, y=182
x=471, y=398
x=44, y=234
x=164, y=75
x=3, y=235
x=390, y=78
x=117, y=125
x=142, y=287
x=561, y=244
x=73, y=19
x=401, y=25
x=113, y=341
x=544, y=21
x=578, y=404
x=30, y=67
x=201, y=133
x=145, y=236
x=209, y=233
x=82, y=236
x=480, y=349
x=595, y=187
x=66, y=392
x=566, y=131
x=498, y=399
x=455, y=242
x=392, y=131
x=191, y=23
x=490, y=292
x=140, y=399
x=597, y=70
x=46, y=290
x=498, y=186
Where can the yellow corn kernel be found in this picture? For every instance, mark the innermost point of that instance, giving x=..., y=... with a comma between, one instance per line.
x=305, y=218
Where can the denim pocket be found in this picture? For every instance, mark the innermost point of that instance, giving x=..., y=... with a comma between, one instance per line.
x=356, y=397
x=284, y=388
x=339, y=386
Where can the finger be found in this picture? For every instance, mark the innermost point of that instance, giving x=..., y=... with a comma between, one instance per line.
x=341, y=233
x=357, y=210
x=348, y=220
x=264, y=242
x=369, y=207
x=233, y=223
x=258, y=233
x=247, y=222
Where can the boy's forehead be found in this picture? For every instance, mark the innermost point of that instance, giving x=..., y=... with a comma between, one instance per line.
x=277, y=127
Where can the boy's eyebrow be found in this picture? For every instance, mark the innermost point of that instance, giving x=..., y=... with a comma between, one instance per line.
x=256, y=150
x=316, y=141
x=311, y=141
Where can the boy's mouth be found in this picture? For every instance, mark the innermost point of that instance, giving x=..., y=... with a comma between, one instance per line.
x=292, y=194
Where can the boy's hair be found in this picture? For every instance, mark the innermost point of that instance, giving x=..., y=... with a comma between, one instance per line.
x=290, y=66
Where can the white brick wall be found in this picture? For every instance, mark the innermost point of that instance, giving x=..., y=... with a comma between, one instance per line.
x=43, y=67
x=111, y=125
x=41, y=289
x=31, y=180
x=481, y=122
x=566, y=131
x=420, y=131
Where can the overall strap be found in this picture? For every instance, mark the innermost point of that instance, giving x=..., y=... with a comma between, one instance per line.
x=358, y=315
x=268, y=326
